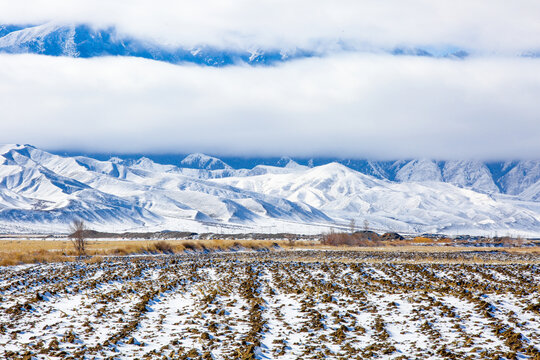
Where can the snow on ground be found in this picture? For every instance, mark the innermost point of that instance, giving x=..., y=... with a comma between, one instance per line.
x=277, y=305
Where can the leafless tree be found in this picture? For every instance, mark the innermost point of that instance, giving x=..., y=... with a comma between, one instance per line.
x=77, y=236
x=366, y=225
x=352, y=226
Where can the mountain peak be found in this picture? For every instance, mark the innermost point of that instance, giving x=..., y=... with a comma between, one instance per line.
x=5, y=148
x=288, y=163
x=202, y=161
x=294, y=165
x=334, y=167
x=144, y=161
x=116, y=160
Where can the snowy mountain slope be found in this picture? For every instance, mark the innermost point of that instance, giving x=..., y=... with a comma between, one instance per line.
x=486, y=177
x=469, y=174
x=316, y=186
x=466, y=174
x=49, y=39
x=419, y=170
x=435, y=206
x=511, y=177
x=519, y=176
x=532, y=193
x=40, y=190
x=262, y=170
x=378, y=169
x=83, y=40
x=6, y=29
x=135, y=194
x=202, y=161
x=288, y=163
x=44, y=195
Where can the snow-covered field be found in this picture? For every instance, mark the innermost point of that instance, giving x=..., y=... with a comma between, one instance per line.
x=274, y=305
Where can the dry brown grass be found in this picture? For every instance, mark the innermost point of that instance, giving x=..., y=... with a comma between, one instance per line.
x=425, y=240
x=39, y=256
x=13, y=252
x=177, y=246
x=35, y=245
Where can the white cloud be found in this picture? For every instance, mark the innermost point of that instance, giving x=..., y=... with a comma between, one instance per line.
x=487, y=26
x=350, y=105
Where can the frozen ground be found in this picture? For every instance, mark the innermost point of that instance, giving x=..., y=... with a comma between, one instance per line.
x=275, y=305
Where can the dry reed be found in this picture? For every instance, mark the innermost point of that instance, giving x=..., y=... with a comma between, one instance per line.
x=13, y=252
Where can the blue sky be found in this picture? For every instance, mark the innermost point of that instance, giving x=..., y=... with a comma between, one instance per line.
x=363, y=103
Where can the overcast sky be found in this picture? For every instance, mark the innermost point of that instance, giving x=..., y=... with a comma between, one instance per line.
x=355, y=104
x=500, y=26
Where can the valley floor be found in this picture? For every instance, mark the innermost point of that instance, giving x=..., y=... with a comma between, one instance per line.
x=300, y=304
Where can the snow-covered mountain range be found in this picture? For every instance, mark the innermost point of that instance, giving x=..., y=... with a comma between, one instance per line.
x=83, y=40
x=43, y=192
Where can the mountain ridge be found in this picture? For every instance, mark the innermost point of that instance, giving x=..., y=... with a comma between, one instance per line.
x=43, y=190
x=506, y=177
x=86, y=41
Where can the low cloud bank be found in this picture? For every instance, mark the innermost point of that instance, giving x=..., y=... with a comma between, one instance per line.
x=348, y=105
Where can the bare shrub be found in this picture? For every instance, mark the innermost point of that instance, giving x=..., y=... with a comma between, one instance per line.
x=508, y=241
x=423, y=240
x=291, y=240
x=359, y=238
x=164, y=247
